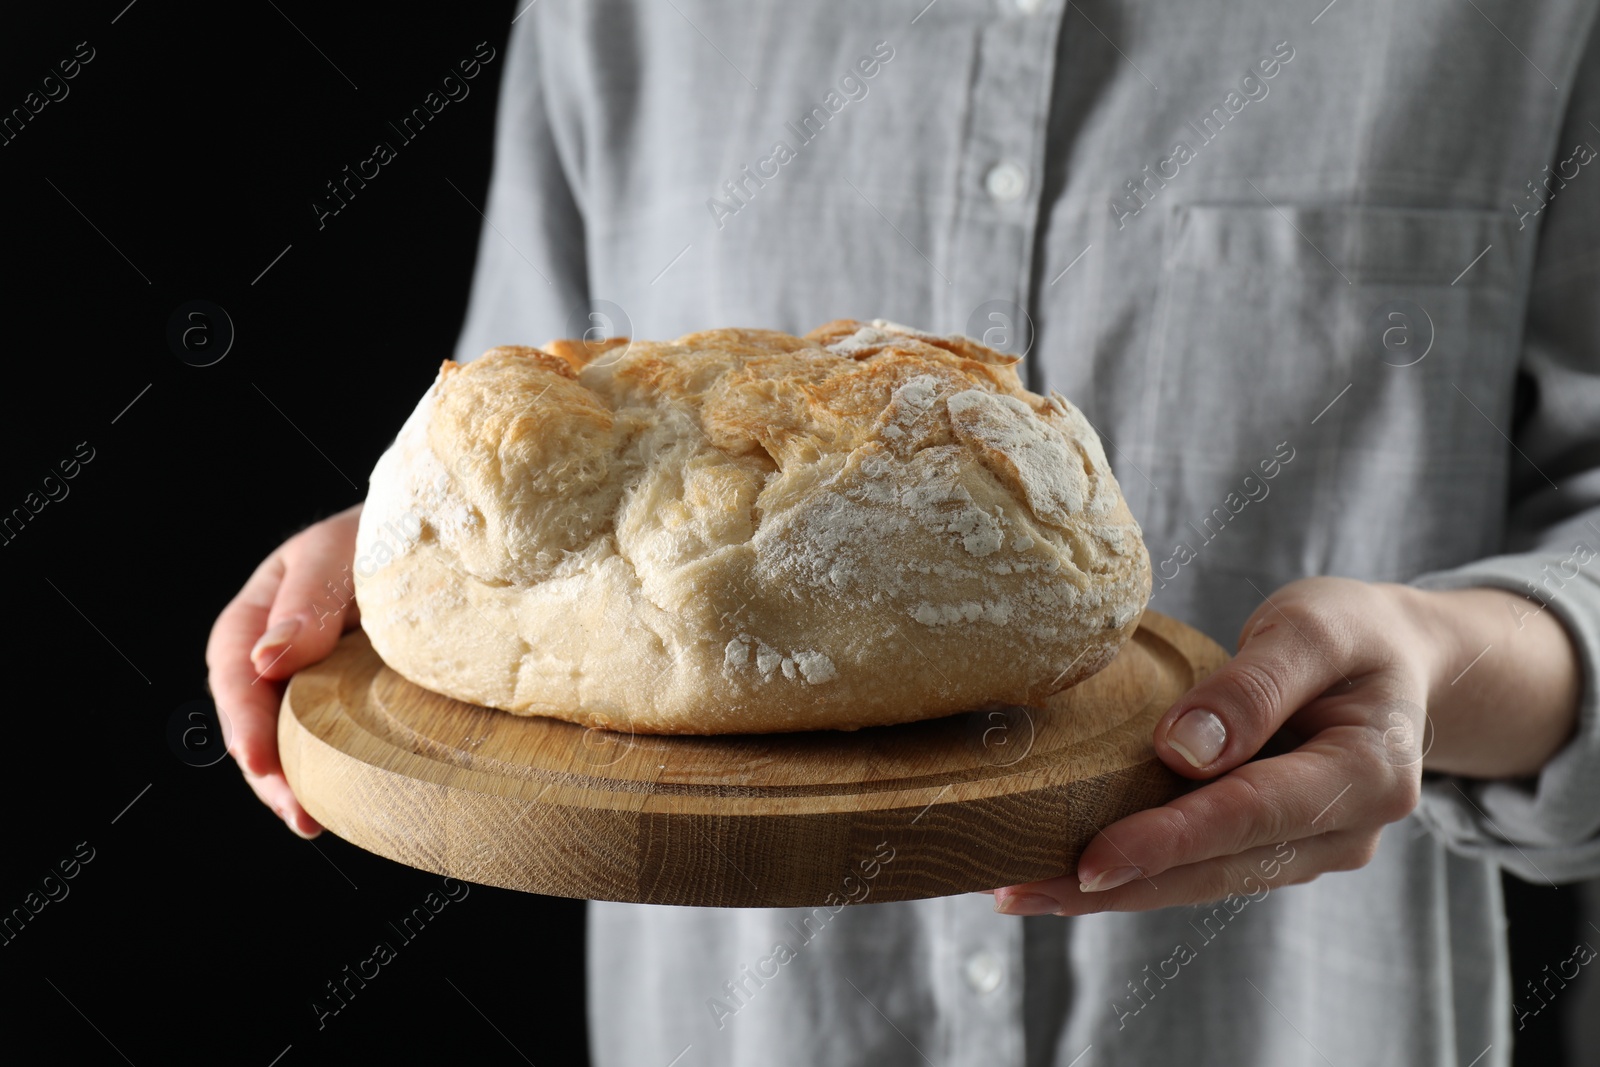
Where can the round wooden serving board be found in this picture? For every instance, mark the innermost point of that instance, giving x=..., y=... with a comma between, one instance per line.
x=952, y=805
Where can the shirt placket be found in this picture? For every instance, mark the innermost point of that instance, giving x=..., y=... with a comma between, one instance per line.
x=1001, y=176
x=978, y=981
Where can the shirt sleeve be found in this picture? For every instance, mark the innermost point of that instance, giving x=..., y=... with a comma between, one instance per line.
x=1547, y=827
x=529, y=279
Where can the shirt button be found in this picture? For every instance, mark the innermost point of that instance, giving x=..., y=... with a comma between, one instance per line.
x=983, y=971
x=1006, y=181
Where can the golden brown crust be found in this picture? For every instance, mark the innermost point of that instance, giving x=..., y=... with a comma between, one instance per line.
x=747, y=531
x=574, y=354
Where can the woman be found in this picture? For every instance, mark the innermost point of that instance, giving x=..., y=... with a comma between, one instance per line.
x=1323, y=282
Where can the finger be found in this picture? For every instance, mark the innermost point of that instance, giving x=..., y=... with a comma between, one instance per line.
x=1235, y=881
x=1339, y=779
x=315, y=601
x=247, y=703
x=1285, y=661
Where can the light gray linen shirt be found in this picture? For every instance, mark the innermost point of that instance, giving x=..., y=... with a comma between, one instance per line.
x=1362, y=237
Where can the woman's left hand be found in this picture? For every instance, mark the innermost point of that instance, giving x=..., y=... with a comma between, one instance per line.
x=1335, y=674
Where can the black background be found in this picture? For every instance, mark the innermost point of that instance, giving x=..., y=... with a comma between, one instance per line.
x=182, y=163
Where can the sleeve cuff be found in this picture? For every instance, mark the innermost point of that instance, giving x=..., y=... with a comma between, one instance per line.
x=1546, y=827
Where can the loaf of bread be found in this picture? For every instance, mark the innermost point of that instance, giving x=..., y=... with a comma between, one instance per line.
x=744, y=531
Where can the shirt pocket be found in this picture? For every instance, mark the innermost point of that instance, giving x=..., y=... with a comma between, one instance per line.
x=1377, y=346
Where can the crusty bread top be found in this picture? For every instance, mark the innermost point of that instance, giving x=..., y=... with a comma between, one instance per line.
x=781, y=506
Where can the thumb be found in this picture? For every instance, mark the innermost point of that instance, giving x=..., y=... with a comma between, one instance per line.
x=1227, y=718
x=315, y=602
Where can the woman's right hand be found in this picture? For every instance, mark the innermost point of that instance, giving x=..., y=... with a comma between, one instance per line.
x=286, y=617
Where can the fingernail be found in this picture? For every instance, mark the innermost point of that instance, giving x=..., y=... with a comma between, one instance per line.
x=275, y=638
x=1026, y=904
x=282, y=812
x=1109, y=880
x=1198, y=737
